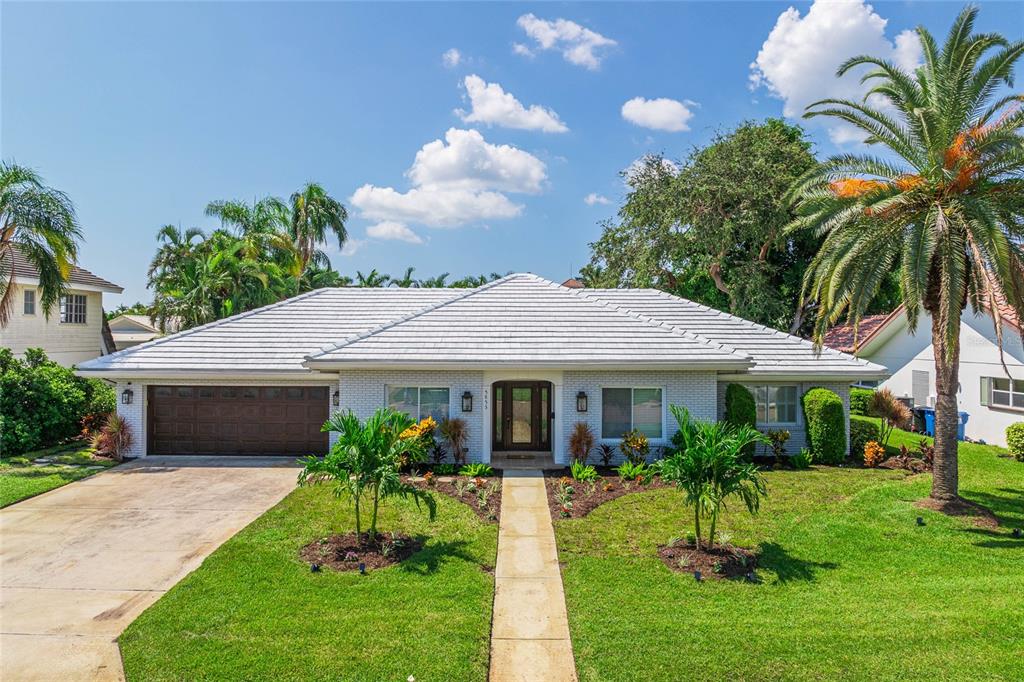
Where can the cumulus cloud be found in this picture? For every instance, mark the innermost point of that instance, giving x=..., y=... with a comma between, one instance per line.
x=390, y=230
x=458, y=180
x=798, y=61
x=451, y=58
x=658, y=114
x=493, y=106
x=578, y=45
x=595, y=198
x=522, y=50
x=351, y=246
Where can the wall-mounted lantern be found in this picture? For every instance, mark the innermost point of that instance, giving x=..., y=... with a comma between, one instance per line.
x=126, y=396
x=581, y=402
x=336, y=398
x=467, y=402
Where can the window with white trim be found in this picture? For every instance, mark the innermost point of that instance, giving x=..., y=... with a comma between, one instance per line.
x=419, y=402
x=625, y=409
x=30, y=302
x=1003, y=392
x=775, y=404
x=72, y=309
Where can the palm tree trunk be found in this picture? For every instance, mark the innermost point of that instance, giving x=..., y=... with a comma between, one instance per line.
x=945, y=484
x=373, y=518
x=711, y=535
x=696, y=524
x=359, y=529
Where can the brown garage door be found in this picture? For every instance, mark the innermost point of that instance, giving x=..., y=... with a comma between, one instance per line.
x=237, y=420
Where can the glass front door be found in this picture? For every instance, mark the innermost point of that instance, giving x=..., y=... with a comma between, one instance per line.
x=522, y=415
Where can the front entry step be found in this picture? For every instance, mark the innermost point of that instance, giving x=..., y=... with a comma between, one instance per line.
x=523, y=460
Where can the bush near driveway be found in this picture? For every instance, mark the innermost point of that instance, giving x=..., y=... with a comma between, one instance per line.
x=826, y=425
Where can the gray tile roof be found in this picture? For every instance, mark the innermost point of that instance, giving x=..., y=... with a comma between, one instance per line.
x=773, y=351
x=521, y=320
x=23, y=269
x=524, y=320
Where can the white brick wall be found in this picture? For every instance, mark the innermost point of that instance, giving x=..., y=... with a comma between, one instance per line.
x=696, y=391
x=134, y=415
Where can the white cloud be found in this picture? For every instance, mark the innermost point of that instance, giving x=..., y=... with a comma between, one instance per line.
x=595, y=198
x=657, y=114
x=493, y=106
x=798, y=61
x=522, y=50
x=579, y=45
x=458, y=180
x=451, y=58
x=351, y=246
x=390, y=230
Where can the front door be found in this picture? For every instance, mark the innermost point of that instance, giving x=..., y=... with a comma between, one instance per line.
x=522, y=415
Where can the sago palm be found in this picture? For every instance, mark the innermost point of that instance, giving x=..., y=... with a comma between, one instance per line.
x=40, y=223
x=942, y=207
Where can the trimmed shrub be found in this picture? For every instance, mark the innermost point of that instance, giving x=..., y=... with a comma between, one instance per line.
x=43, y=403
x=1015, y=440
x=863, y=431
x=860, y=398
x=740, y=408
x=826, y=425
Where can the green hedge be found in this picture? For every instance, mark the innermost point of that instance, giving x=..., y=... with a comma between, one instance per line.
x=739, y=406
x=826, y=425
x=861, y=431
x=43, y=403
x=860, y=398
x=1015, y=440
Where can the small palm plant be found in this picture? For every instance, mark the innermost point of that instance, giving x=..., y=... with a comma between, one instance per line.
x=581, y=442
x=456, y=432
x=365, y=461
x=708, y=465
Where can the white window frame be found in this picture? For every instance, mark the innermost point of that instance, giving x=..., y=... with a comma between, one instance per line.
x=28, y=299
x=1016, y=389
x=70, y=307
x=632, y=389
x=419, y=401
x=796, y=404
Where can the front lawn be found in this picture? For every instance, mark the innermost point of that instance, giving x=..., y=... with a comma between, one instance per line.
x=21, y=478
x=852, y=587
x=254, y=611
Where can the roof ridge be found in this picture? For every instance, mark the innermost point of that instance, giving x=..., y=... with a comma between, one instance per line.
x=210, y=325
x=405, y=318
x=643, y=317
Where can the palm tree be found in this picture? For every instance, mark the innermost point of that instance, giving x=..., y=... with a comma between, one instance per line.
x=40, y=223
x=439, y=282
x=269, y=214
x=946, y=212
x=314, y=212
x=372, y=279
x=406, y=280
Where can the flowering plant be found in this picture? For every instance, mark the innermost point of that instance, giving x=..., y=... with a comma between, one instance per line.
x=635, y=446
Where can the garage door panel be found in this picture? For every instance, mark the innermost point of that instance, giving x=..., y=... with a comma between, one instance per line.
x=237, y=420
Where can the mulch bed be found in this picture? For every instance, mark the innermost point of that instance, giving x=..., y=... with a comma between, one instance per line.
x=914, y=465
x=490, y=513
x=980, y=516
x=345, y=552
x=587, y=498
x=720, y=561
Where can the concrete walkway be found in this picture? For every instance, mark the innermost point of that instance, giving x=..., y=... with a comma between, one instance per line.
x=530, y=630
x=79, y=563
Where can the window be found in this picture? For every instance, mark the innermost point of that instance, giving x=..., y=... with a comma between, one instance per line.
x=30, y=302
x=419, y=403
x=72, y=309
x=1003, y=392
x=775, y=404
x=624, y=409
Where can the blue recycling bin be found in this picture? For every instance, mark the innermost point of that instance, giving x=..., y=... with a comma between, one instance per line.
x=961, y=425
x=929, y=420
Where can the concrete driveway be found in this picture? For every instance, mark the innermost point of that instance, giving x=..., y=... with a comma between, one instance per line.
x=79, y=563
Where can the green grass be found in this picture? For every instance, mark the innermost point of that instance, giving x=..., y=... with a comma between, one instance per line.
x=254, y=611
x=852, y=587
x=20, y=479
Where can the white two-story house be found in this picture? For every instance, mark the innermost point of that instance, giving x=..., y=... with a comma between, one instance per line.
x=74, y=330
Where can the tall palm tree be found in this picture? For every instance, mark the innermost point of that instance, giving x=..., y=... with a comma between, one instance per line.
x=314, y=213
x=40, y=223
x=945, y=208
x=268, y=214
x=439, y=282
x=405, y=281
x=372, y=279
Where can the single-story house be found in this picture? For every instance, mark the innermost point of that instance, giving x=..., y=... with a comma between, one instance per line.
x=991, y=389
x=521, y=359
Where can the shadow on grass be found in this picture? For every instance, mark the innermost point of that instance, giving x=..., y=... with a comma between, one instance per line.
x=788, y=568
x=67, y=475
x=429, y=559
x=1006, y=503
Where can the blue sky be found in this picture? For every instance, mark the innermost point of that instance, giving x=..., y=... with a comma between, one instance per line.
x=145, y=112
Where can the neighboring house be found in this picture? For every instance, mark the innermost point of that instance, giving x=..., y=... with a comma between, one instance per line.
x=131, y=330
x=521, y=359
x=74, y=331
x=990, y=393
